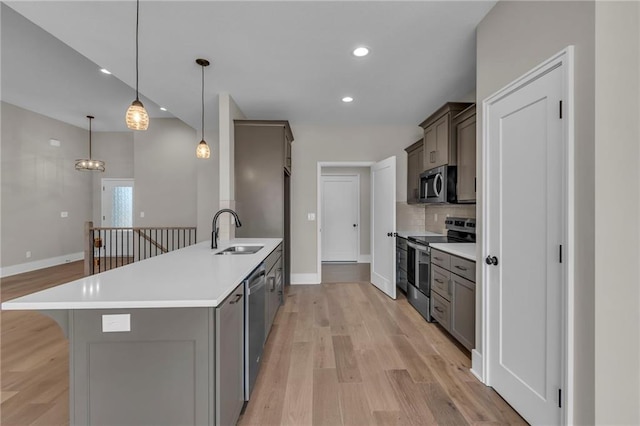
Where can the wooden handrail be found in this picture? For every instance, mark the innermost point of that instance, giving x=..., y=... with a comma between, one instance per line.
x=151, y=240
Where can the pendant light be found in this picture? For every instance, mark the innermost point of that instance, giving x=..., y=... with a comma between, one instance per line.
x=137, y=117
x=90, y=165
x=203, y=151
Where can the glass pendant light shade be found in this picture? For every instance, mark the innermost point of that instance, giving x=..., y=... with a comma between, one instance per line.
x=88, y=164
x=203, y=151
x=137, y=117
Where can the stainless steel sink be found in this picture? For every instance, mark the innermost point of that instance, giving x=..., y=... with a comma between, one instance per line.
x=241, y=249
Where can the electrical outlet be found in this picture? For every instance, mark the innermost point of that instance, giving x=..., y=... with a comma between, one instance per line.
x=435, y=217
x=64, y=214
x=311, y=217
x=28, y=254
x=141, y=214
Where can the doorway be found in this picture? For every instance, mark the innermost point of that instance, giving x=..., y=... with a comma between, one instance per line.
x=527, y=198
x=341, y=217
x=117, y=212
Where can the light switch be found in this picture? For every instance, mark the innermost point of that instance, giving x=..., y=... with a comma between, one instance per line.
x=116, y=323
x=64, y=214
x=54, y=142
x=141, y=214
x=311, y=217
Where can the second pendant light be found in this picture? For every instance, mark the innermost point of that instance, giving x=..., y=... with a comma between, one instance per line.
x=203, y=151
x=137, y=117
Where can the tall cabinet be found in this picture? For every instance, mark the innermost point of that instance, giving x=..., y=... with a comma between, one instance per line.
x=262, y=181
x=415, y=153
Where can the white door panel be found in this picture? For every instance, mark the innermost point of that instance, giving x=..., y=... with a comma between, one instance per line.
x=383, y=223
x=524, y=230
x=340, y=218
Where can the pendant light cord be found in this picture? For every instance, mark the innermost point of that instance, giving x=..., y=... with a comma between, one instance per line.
x=202, y=66
x=137, y=25
x=89, y=138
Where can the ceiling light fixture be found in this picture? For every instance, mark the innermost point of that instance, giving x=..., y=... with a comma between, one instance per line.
x=88, y=164
x=203, y=151
x=137, y=117
x=163, y=109
x=347, y=99
x=360, y=51
x=105, y=71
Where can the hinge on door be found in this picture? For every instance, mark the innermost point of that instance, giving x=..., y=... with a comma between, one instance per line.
x=560, y=109
x=559, y=398
x=560, y=253
x=103, y=188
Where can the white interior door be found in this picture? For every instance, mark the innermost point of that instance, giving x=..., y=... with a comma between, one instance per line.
x=383, y=225
x=117, y=212
x=524, y=229
x=340, y=218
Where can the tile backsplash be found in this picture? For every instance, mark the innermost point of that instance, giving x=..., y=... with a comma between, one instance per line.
x=409, y=217
x=435, y=215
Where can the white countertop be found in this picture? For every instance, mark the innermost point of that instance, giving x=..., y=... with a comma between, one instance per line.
x=464, y=250
x=190, y=277
x=407, y=234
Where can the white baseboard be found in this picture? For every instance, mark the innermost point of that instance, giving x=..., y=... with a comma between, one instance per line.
x=302, y=279
x=364, y=258
x=476, y=365
x=21, y=268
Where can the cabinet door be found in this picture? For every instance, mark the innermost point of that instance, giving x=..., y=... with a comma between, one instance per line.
x=436, y=143
x=463, y=317
x=230, y=358
x=430, y=147
x=414, y=168
x=466, y=134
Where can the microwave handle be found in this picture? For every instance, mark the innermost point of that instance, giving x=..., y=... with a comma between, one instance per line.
x=435, y=185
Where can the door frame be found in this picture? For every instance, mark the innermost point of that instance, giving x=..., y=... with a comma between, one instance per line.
x=565, y=58
x=116, y=180
x=357, y=179
x=319, y=167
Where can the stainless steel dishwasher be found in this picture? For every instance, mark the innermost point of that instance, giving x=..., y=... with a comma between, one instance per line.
x=254, y=320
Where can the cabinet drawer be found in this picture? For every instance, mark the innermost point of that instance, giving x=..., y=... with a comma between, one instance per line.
x=440, y=282
x=463, y=267
x=441, y=259
x=440, y=310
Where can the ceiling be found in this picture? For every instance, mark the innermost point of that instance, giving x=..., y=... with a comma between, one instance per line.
x=278, y=60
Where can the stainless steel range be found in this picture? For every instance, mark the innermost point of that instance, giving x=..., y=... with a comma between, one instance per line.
x=459, y=230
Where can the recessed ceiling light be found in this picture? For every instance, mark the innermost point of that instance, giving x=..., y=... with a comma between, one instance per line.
x=347, y=99
x=105, y=71
x=360, y=51
x=163, y=109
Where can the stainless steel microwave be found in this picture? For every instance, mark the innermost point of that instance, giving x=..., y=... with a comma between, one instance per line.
x=438, y=186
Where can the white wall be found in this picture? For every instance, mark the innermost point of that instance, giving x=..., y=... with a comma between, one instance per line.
x=165, y=174
x=39, y=181
x=116, y=150
x=364, y=174
x=314, y=143
x=514, y=37
x=617, y=211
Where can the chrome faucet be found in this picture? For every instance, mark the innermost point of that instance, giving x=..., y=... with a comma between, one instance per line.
x=215, y=229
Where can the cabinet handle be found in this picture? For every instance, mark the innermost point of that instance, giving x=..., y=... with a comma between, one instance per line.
x=461, y=268
x=432, y=153
x=439, y=281
x=236, y=300
x=437, y=308
x=437, y=258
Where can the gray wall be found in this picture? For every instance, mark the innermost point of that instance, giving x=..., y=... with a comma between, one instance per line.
x=314, y=143
x=38, y=182
x=365, y=201
x=165, y=174
x=116, y=150
x=617, y=209
x=513, y=38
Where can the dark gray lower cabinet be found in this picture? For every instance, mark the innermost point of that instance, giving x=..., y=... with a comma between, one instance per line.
x=174, y=366
x=230, y=358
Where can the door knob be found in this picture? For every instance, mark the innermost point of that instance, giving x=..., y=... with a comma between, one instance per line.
x=354, y=225
x=389, y=234
x=491, y=260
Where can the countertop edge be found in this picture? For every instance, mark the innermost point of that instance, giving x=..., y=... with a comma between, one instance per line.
x=456, y=249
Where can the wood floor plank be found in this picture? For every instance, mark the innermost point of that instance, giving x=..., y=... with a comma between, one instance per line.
x=443, y=409
x=410, y=397
x=323, y=354
x=354, y=405
x=326, y=405
x=416, y=366
x=346, y=364
x=377, y=384
x=298, y=399
x=388, y=418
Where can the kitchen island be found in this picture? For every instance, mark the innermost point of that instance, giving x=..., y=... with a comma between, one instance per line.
x=156, y=342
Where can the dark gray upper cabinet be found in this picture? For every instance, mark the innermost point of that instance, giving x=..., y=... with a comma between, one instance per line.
x=262, y=161
x=440, y=136
x=415, y=155
x=465, y=125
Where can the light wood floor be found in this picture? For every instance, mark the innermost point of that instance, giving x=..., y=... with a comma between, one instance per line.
x=338, y=354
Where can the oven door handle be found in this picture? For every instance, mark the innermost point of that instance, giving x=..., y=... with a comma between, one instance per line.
x=416, y=247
